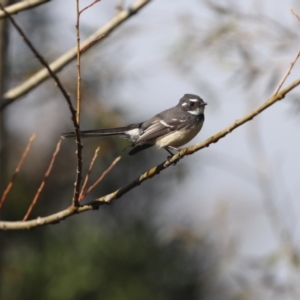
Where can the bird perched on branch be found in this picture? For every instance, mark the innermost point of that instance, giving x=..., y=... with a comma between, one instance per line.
x=169, y=129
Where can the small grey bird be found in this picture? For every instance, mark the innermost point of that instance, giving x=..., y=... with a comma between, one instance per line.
x=169, y=129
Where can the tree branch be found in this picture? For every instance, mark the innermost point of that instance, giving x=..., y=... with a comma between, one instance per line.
x=43, y=183
x=10, y=185
x=86, y=179
x=57, y=217
x=102, y=176
x=14, y=93
x=295, y=14
x=287, y=73
x=20, y=6
x=67, y=98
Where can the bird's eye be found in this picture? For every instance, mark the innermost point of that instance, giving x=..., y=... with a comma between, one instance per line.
x=192, y=103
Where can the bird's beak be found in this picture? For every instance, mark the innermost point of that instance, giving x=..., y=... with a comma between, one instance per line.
x=204, y=103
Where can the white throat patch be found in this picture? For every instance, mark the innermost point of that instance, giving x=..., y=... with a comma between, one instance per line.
x=196, y=112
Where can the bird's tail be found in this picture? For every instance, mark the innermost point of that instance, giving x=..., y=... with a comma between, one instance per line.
x=101, y=132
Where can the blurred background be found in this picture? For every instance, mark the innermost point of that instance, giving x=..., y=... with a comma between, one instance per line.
x=221, y=224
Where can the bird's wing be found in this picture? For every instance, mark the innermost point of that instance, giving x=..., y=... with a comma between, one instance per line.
x=156, y=127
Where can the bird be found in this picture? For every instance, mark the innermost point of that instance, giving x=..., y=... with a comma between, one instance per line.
x=170, y=129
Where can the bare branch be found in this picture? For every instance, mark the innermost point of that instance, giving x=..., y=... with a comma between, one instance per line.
x=287, y=73
x=51, y=219
x=88, y=6
x=86, y=47
x=76, y=193
x=76, y=196
x=10, y=184
x=43, y=183
x=88, y=174
x=295, y=14
x=57, y=217
x=101, y=177
x=78, y=98
x=14, y=93
x=67, y=98
x=20, y=6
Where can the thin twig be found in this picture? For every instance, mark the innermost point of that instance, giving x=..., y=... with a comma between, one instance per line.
x=10, y=184
x=20, y=6
x=78, y=60
x=78, y=98
x=70, y=211
x=80, y=50
x=76, y=193
x=43, y=183
x=88, y=174
x=67, y=98
x=101, y=177
x=88, y=6
x=83, y=49
x=295, y=14
x=13, y=94
x=287, y=73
